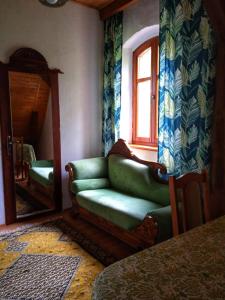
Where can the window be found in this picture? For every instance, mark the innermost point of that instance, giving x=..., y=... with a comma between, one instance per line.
x=145, y=94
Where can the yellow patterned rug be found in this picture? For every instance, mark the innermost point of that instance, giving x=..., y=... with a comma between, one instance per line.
x=45, y=262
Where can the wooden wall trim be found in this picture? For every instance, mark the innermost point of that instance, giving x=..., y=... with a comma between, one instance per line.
x=7, y=153
x=115, y=7
x=216, y=12
x=57, y=194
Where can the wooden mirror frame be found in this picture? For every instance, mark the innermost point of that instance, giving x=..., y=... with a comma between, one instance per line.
x=27, y=60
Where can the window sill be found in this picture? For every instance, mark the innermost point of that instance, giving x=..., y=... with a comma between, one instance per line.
x=143, y=147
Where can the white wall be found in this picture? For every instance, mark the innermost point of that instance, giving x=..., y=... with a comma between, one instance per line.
x=142, y=14
x=140, y=24
x=70, y=38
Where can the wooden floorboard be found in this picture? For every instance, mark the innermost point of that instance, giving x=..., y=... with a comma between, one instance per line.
x=32, y=221
x=111, y=245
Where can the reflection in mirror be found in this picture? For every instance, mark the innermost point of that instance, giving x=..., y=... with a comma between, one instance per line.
x=30, y=97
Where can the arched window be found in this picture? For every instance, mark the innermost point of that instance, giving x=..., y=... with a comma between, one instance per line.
x=145, y=93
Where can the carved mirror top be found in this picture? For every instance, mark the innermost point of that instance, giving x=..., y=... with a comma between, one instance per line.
x=30, y=61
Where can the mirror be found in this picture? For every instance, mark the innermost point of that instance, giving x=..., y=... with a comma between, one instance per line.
x=30, y=133
x=32, y=138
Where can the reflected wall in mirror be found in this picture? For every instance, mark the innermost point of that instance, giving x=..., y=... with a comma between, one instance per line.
x=30, y=98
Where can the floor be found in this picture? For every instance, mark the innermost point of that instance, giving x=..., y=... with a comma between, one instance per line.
x=109, y=244
x=44, y=249
x=34, y=221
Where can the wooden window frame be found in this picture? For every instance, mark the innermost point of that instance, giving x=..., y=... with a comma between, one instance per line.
x=152, y=141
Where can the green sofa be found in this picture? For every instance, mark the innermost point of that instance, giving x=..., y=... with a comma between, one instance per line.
x=41, y=179
x=41, y=171
x=123, y=196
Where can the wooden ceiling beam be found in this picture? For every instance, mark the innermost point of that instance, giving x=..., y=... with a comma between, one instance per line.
x=98, y=4
x=115, y=7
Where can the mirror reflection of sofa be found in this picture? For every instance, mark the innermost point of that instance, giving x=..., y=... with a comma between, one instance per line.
x=122, y=195
x=40, y=176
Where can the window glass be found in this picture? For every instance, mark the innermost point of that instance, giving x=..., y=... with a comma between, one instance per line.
x=145, y=93
x=143, y=109
x=144, y=64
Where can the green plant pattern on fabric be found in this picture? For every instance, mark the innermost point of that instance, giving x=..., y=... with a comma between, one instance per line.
x=113, y=40
x=186, y=86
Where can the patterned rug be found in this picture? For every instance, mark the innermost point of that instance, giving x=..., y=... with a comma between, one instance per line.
x=46, y=262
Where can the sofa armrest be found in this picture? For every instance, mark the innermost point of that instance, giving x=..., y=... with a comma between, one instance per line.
x=41, y=163
x=90, y=168
x=164, y=220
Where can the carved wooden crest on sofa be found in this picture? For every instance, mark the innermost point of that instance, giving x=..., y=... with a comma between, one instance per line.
x=145, y=233
x=121, y=148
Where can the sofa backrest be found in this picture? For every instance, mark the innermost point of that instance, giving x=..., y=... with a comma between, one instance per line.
x=42, y=163
x=134, y=178
x=90, y=168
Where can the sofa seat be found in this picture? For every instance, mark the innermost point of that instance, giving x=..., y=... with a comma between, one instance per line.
x=44, y=176
x=41, y=171
x=121, y=209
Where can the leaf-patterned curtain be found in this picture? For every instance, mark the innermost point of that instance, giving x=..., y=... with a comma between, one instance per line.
x=186, y=88
x=113, y=39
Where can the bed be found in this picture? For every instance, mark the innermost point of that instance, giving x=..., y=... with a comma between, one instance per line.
x=190, y=266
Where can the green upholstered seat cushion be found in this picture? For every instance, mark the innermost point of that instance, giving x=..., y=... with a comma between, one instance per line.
x=122, y=210
x=89, y=184
x=90, y=168
x=42, y=163
x=42, y=175
x=133, y=178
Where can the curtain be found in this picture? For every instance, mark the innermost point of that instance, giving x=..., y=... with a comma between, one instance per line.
x=186, y=86
x=113, y=39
